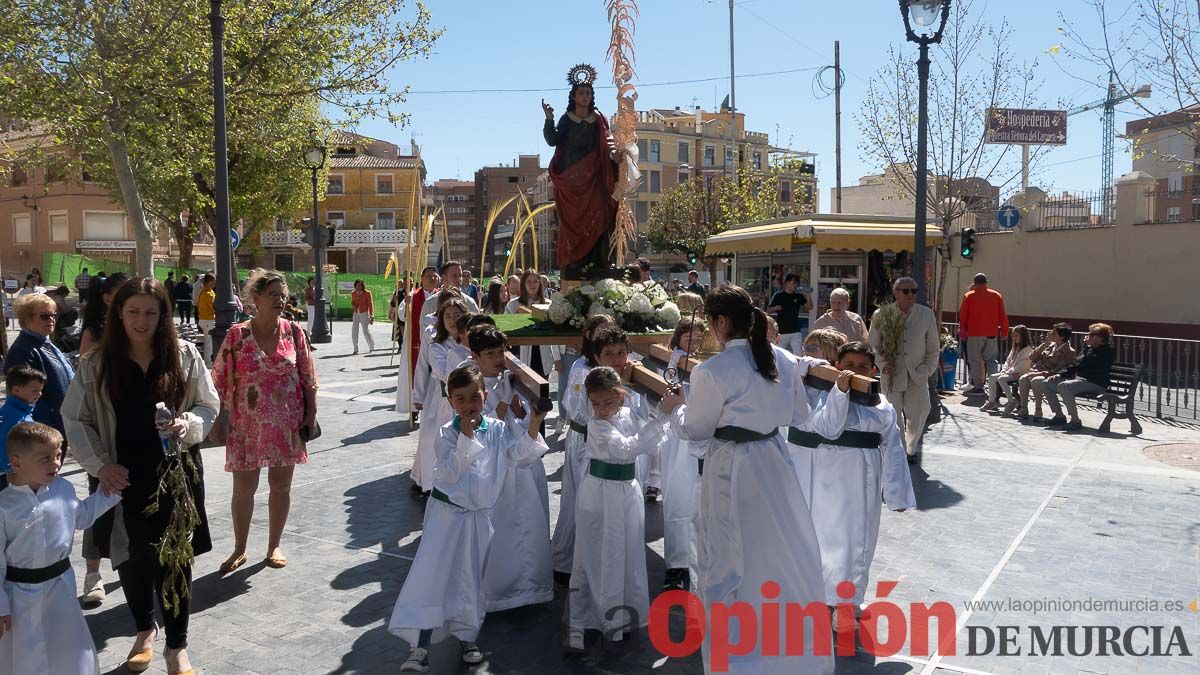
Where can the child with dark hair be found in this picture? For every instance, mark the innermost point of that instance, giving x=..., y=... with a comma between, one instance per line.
x=518, y=568
x=681, y=475
x=578, y=412
x=849, y=477
x=444, y=592
x=24, y=384
x=610, y=548
x=443, y=354
x=611, y=345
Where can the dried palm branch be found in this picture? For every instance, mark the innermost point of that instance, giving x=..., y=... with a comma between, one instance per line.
x=622, y=15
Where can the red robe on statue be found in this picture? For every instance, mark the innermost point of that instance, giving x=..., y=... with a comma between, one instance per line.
x=583, y=197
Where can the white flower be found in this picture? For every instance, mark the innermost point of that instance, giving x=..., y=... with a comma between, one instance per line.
x=667, y=315
x=640, y=304
x=598, y=308
x=561, y=310
x=588, y=290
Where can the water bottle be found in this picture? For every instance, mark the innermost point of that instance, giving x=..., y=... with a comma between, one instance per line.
x=163, y=417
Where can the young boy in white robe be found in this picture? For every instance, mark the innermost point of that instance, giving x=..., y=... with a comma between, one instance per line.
x=610, y=546
x=443, y=593
x=851, y=476
x=42, y=629
x=681, y=473
x=517, y=572
x=578, y=413
x=442, y=358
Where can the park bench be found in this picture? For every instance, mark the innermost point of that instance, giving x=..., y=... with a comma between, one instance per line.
x=1122, y=387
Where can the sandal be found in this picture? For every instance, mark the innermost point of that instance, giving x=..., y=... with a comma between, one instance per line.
x=277, y=562
x=232, y=563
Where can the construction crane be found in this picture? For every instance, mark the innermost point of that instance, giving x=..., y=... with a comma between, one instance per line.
x=1109, y=103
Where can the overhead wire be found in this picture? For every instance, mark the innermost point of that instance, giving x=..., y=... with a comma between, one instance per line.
x=641, y=85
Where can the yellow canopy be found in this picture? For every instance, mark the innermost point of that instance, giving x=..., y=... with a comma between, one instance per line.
x=828, y=233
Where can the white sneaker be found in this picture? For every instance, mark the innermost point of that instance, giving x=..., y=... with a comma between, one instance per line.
x=470, y=653
x=418, y=661
x=93, y=590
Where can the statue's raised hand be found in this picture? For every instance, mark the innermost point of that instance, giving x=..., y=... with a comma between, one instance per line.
x=548, y=110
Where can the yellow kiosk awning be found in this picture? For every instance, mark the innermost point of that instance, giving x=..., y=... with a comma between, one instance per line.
x=854, y=233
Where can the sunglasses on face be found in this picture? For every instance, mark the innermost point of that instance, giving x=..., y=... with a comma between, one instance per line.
x=45, y=317
x=812, y=348
x=907, y=291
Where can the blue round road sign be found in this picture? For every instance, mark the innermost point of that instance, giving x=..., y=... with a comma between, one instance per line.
x=1009, y=216
x=234, y=238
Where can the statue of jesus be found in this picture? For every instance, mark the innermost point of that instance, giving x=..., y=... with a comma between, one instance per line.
x=584, y=173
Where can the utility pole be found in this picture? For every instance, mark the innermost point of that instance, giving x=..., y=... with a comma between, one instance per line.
x=223, y=254
x=732, y=101
x=837, y=121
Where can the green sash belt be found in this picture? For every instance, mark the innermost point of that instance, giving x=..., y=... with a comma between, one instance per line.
x=438, y=494
x=741, y=435
x=610, y=471
x=578, y=428
x=848, y=439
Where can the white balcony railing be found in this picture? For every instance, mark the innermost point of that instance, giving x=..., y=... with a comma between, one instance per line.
x=289, y=239
x=371, y=238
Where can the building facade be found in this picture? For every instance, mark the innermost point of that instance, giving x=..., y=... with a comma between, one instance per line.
x=1168, y=150
x=495, y=185
x=457, y=198
x=372, y=197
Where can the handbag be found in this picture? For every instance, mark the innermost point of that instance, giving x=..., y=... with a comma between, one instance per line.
x=306, y=433
x=219, y=433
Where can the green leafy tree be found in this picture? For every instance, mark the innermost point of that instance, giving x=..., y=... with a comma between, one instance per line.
x=126, y=85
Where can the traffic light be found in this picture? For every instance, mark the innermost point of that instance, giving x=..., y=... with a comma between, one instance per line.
x=692, y=259
x=967, y=247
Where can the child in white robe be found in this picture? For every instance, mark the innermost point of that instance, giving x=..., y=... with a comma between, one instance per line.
x=681, y=474
x=436, y=411
x=610, y=546
x=443, y=593
x=578, y=412
x=851, y=475
x=754, y=526
x=518, y=571
x=611, y=345
x=42, y=629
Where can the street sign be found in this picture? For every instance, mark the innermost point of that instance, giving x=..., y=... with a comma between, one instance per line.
x=1009, y=216
x=234, y=238
x=1016, y=126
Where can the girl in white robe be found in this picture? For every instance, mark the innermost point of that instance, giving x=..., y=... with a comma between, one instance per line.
x=578, y=411
x=611, y=346
x=443, y=593
x=754, y=526
x=436, y=410
x=610, y=546
x=681, y=476
x=518, y=571
x=849, y=478
x=47, y=633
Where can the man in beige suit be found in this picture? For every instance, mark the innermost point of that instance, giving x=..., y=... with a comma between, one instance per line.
x=906, y=382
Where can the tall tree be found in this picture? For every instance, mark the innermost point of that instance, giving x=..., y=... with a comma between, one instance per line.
x=126, y=84
x=1155, y=42
x=972, y=69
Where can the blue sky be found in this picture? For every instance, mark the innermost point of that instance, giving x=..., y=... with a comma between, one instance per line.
x=530, y=44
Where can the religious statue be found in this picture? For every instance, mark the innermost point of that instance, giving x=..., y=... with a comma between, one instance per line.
x=584, y=172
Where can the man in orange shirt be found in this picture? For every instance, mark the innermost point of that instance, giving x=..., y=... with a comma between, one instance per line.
x=982, y=320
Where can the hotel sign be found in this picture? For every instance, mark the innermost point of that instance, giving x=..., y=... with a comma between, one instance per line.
x=106, y=244
x=1019, y=126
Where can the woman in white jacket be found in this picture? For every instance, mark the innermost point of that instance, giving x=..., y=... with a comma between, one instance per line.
x=1017, y=364
x=533, y=292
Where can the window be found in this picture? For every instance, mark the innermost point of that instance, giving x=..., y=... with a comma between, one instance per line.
x=683, y=176
x=385, y=220
x=102, y=225
x=728, y=156
x=59, y=227
x=642, y=152
x=785, y=190
x=22, y=229
x=756, y=160
x=284, y=262
x=641, y=212
x=335, y=184
x=1175, y=184
x=1195, y=210
x=19, y=177
x=655, y=151
x=655, y=180
x=381, y=262
x=512, y=179
x=335, y=218
x=383, y=184
x=710, y=155
x=87, y=176
x=1173, y=214
x=683, y=153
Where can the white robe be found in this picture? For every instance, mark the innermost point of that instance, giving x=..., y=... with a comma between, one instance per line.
x=518, y=566
x=754, y=526
x=444, y=589
x=681, y=493
x=610, y=521
x=443, y=357
x=49, y=634
x=421, y=374
x=845, y=487
x=577, y=408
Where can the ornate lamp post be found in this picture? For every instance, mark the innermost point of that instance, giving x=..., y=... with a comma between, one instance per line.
x=924, y=14
x=223, y=257
x=314, y=159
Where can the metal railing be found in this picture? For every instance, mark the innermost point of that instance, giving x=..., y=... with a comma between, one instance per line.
x=1076, y=211
x=1170, y=381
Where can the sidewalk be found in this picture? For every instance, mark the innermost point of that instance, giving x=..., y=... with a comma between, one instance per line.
x=1005, y=511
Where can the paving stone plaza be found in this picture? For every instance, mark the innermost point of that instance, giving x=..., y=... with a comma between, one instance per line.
x=1008, y=515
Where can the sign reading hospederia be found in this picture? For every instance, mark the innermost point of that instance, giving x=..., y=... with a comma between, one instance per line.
x=1026, y=127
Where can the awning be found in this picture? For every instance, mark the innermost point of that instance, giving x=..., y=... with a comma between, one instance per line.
x=769, y=238
x=862, y=233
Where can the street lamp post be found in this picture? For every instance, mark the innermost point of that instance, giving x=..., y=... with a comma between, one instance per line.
x=223, y=256
x=314, y=159
x=923, y=13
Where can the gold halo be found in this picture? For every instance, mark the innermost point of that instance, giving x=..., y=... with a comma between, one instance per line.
x=581, y=73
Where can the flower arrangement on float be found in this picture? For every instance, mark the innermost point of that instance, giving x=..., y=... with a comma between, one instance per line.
x=637, y=308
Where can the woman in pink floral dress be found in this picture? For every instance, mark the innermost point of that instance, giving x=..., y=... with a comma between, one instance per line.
x=267, y=382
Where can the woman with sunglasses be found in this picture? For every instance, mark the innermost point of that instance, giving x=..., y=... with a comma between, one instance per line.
x=37, y=314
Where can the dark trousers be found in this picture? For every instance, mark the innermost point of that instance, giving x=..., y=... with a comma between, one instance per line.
x=141, y=578
x=184, y=307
